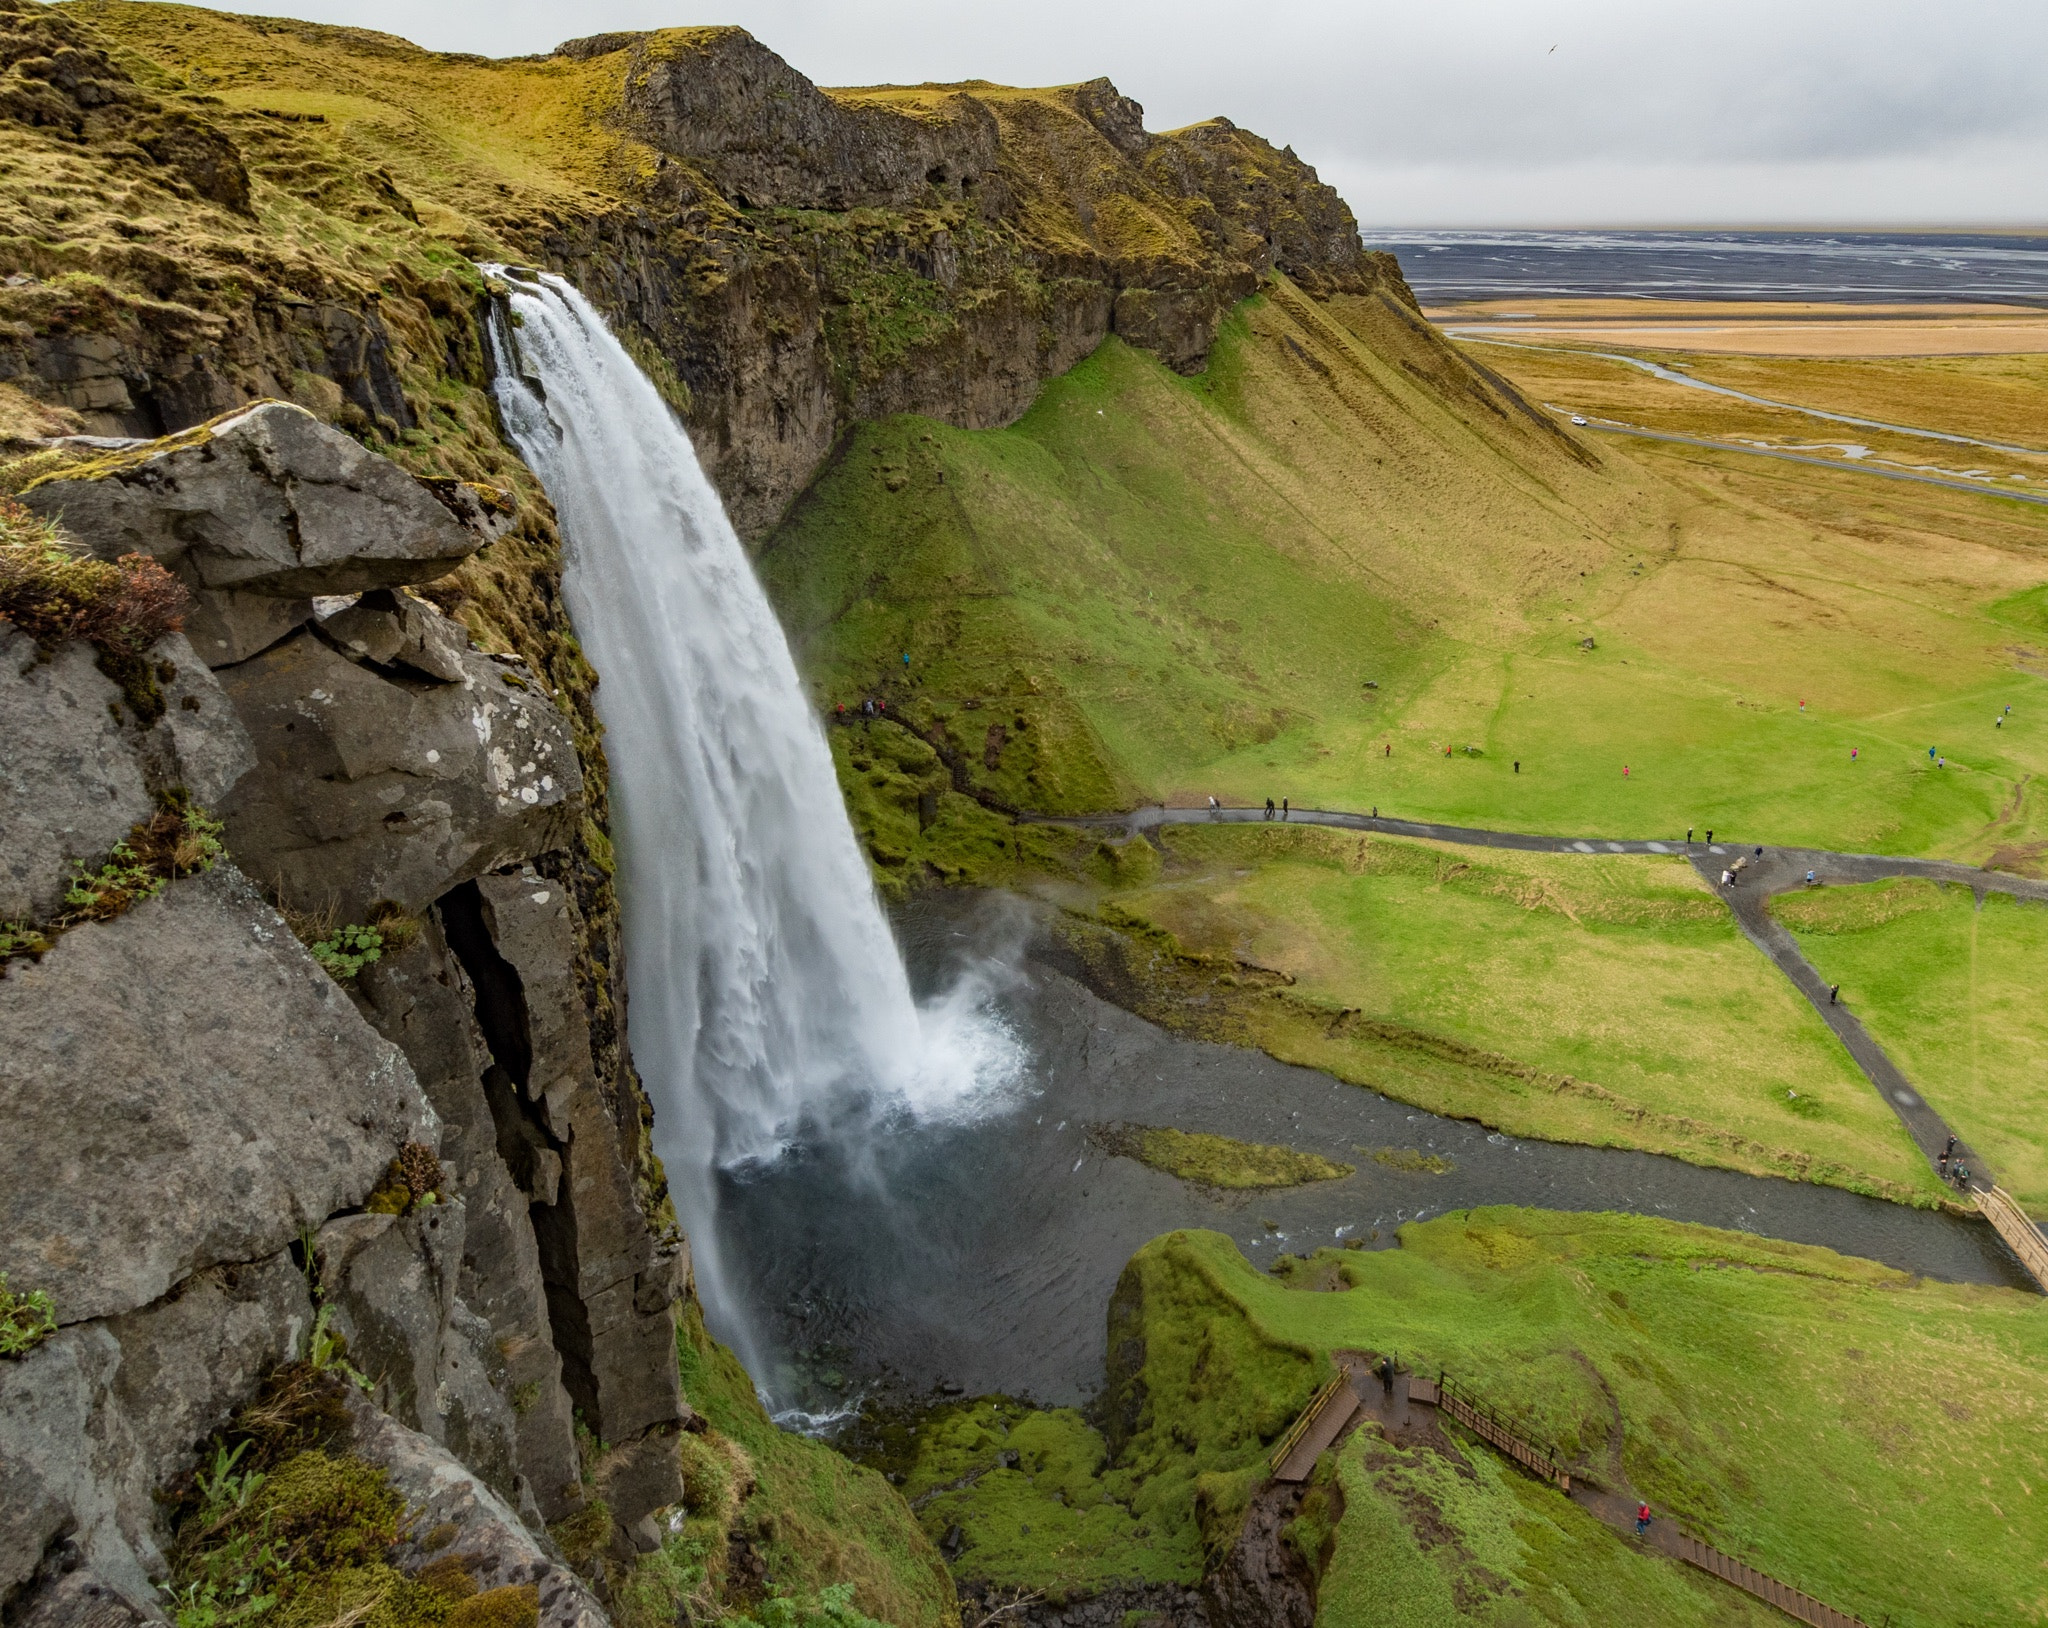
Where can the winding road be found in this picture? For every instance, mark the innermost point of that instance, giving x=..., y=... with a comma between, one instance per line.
x=1764, y=873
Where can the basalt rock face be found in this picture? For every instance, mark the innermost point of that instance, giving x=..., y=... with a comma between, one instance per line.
x=941, y=250
x=204, y=1125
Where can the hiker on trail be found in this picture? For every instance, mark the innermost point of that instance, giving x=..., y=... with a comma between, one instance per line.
x=1941, y=1163
x=1688, y=836
x=1949, y=1151
x=1727, y=877
x=1834, y=994
x=1759, y=853
x=1642, y=1519
x=1710, y=836
x=1809, y=878
x=1269, y=808
x=1283, y=808
x=1375, y=810
x=1215, y=808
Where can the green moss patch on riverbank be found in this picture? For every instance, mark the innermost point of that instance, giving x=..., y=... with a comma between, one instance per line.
x=773, y=1514
x=1603, y=999
x=1811, y=1413
x=1216, y=1161
x=1952, y=990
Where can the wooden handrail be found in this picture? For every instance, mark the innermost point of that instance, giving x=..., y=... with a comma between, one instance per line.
x=2021, y=1236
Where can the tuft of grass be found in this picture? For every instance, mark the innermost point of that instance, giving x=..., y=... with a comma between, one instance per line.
x=179, y=840
x=1217, y=1161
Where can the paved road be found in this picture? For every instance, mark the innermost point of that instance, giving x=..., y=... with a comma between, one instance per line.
x=1773, y=871
x=1979, y=487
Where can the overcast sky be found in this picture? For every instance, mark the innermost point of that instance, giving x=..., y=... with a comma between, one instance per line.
x=1462, y=112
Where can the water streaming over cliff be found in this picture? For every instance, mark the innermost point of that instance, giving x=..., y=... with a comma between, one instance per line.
x=766, y=991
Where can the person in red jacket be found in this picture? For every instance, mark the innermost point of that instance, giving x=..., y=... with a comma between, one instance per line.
x=1642, y=1519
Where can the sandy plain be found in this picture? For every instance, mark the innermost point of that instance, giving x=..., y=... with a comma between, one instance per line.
x=1758, y=327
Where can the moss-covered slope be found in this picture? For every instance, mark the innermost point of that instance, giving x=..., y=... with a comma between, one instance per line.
x=1798, y=1408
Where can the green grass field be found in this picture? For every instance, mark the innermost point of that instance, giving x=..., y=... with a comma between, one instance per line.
x=1606, y=999
x=1952, y=991
x=1803, y=1410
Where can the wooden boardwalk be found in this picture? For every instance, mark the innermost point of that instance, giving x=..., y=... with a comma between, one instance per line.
x=1333, y=1408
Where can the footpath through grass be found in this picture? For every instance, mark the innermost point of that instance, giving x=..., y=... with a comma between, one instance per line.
x=1952, y=990
x=1603, y=999
x=1871, y=1438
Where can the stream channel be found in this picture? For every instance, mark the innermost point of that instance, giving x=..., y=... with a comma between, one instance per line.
x=980, y=1253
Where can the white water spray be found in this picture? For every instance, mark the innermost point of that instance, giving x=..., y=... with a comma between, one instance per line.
x=766, y=988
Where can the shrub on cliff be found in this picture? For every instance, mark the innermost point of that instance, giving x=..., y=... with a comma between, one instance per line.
x=52, y=592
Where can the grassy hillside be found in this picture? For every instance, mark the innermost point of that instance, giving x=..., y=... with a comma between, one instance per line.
x=1952, y=989
x=1171, y=581
x=1189, y=585
x=1603, y=1000
x=1795, y=1407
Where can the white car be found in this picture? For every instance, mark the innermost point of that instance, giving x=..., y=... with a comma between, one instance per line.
x=1579, y=419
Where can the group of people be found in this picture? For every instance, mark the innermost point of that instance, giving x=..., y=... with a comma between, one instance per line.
x=870, y=707
x=1952, y=1169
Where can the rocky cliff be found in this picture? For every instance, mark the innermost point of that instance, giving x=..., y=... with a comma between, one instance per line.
x=217, y=1133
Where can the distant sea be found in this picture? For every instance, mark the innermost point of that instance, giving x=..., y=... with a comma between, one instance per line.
x=1851, y=266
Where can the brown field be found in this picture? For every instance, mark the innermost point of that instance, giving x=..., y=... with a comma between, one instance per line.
x=1760, y=328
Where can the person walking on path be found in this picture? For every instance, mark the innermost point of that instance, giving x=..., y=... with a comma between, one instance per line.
x=1949, y=1152
x=1283, y=808
x=1269, y=808
x=1215, y=808
x=1710, y=836
x=1834, y=994
x=1642, y=1519
x=1688, y=836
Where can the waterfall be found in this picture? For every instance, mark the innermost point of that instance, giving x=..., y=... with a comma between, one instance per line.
x=766, y=990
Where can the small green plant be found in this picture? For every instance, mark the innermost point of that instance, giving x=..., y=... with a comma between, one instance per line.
x=347, y=950
x=413, y=1178
x=830, y=1607
x=18, y=938
x=26, y=1319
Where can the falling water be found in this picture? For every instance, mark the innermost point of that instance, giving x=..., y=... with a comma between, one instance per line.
x=767, y=992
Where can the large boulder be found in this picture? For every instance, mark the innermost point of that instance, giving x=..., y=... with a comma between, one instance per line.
x=183, y=1086
x=391, y=1282
x=384, y=784
x=77, y=772
x=96, y=1419
x=451, y=1514
x=262, y=510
